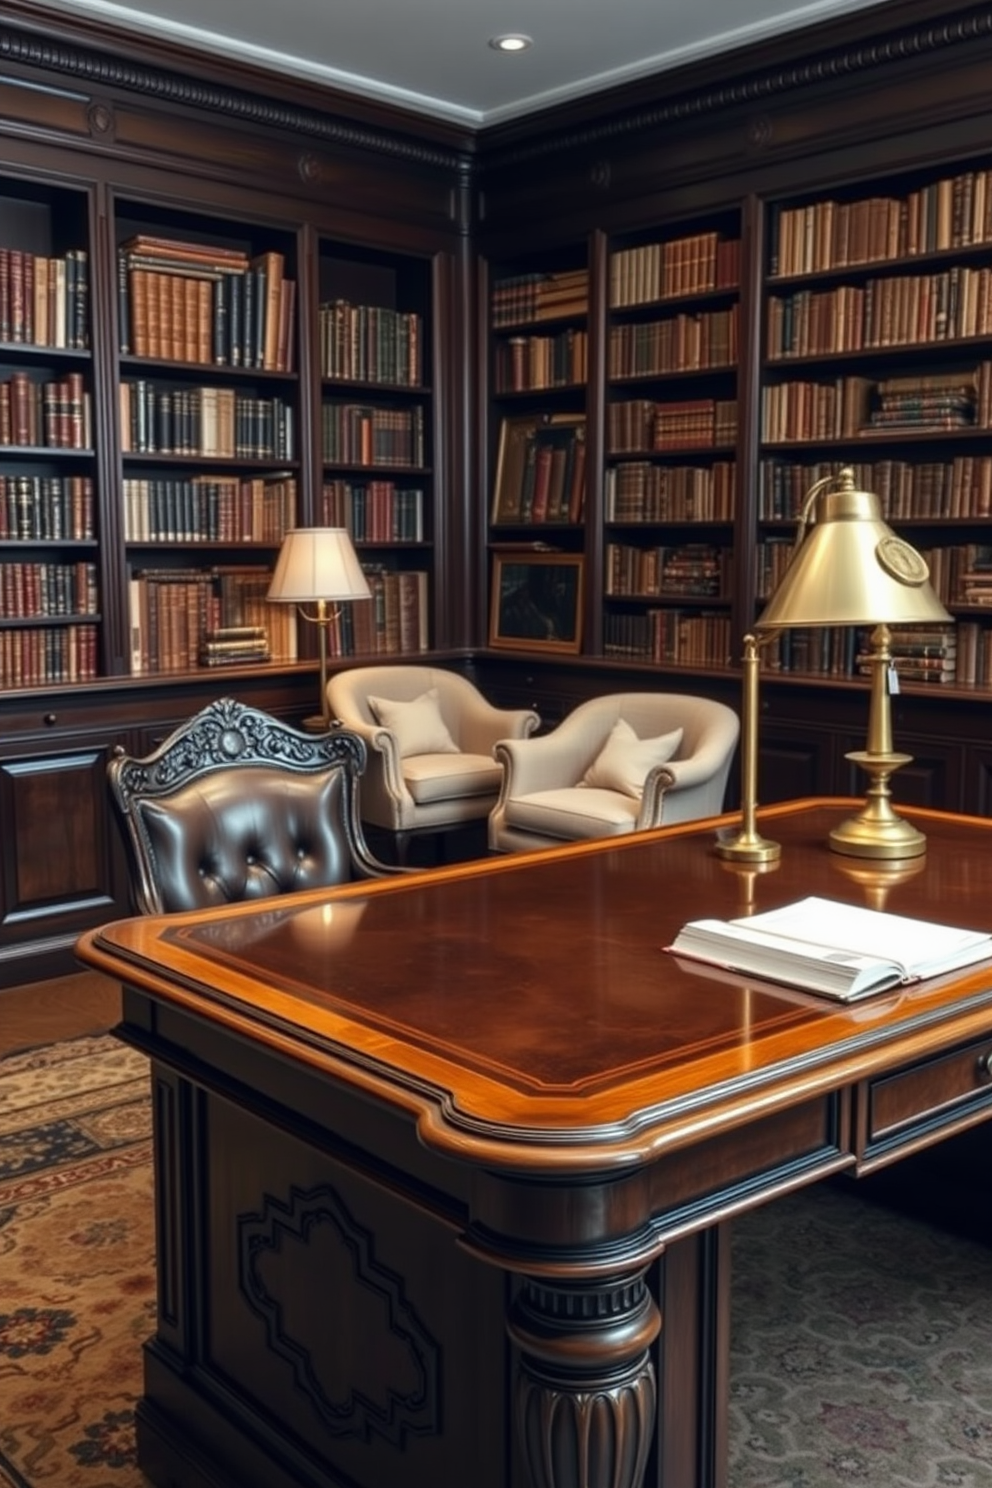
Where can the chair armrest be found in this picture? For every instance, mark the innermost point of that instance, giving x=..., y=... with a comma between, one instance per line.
x=382, y=742
x=482, y=725
x=544, y=763
x=657, y=784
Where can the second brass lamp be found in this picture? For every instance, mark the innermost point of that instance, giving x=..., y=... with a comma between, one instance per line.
x=848, y=568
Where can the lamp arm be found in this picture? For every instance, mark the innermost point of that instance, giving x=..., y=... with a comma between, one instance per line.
x=803, y=520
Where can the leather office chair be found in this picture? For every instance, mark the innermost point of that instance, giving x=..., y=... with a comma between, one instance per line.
x=619, y=763
x=238, y=805
x=430, y=736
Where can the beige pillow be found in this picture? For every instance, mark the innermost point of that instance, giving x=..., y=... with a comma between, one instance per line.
x=624, y=762
x=417, y=726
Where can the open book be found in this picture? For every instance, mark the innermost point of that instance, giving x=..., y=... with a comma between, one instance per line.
x=836, y=949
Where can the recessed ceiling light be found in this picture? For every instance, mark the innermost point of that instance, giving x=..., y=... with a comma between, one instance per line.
x=514, y=43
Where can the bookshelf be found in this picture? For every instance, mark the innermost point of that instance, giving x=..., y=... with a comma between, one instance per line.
x=376, y=422
x=671, y=434
x=538, y=313
x=207, y=430
x=877, y=307
x=50, y=586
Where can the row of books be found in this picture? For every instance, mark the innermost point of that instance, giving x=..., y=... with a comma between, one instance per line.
x=55, y=414
x=637, y=425
x=205, y=304
x=794, y=412
x=686, y=343
x=529, y=363
x=173, y=611
x=209, y=422
x=684, y=266
x=696, y=569
x=639, y=491
x=31, y=589
x=46, y=508
x=826, y=651
x=519, y=298
x=33, y=656
x=354, y=434
x=960, y=488
x=906, y=310
x=370, y=343
x=374, y=511
x=672, y=637
x=953, y=212
x=395, y=621
x=546, y=481
x=918, y=654
x=44, y=301
x=961, y=574
x=974, y=658
x=210, y=508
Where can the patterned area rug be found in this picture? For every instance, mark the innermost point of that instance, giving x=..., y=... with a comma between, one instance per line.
x=861, y=1351
x=77, y=1262
x=860, y=1339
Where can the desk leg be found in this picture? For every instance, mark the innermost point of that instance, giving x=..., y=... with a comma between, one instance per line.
x=586, y=1394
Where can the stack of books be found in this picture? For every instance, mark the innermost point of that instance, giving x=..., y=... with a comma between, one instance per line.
x=941, y=400
x=234, y=645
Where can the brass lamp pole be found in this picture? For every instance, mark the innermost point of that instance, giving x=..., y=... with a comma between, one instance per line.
x=848, y=568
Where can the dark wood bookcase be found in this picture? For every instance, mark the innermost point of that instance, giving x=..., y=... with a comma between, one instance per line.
x=392, y=225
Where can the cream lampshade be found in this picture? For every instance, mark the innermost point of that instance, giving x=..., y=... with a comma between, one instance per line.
x=848, y=568
x=318, y=566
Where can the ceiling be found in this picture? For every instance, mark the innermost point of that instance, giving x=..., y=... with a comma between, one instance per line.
x=432, y=56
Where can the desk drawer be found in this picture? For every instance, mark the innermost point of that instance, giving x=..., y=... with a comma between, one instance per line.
x=936, y=1097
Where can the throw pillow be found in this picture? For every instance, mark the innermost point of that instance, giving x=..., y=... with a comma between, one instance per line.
x=417, y=726
x=624, y=762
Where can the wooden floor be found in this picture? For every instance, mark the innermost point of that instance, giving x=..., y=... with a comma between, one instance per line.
x=43, y=1012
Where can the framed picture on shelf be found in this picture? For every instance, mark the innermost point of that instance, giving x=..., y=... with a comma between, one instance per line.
x=536, y=601
x=540, y=469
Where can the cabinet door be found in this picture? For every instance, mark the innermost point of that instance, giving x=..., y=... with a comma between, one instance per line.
x=61, y=867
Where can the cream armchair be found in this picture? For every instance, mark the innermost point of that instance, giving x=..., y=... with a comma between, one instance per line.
x=430, y=736
x=616, y=764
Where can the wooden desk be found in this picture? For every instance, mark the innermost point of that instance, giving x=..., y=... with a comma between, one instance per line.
x=444, y=1165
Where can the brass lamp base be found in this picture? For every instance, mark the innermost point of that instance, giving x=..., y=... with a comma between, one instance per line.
x=877, y=831
x=746, y=846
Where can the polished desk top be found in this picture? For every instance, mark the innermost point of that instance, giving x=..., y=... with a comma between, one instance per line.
x=524, y=1008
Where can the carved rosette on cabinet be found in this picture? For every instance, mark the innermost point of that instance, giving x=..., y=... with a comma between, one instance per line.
x=586, y=1393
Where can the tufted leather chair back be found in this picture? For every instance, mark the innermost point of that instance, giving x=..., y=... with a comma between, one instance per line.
x=237, y=805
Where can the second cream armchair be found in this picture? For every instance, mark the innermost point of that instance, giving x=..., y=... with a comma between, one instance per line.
x=430, y=736
x=616, y=764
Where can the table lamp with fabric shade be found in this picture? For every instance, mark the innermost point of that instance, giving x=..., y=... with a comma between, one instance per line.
x=318, y=566
x=848, y=568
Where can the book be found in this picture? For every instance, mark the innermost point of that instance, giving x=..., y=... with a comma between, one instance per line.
x=838, y=950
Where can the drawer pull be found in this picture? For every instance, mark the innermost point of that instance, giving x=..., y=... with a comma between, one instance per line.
x=985, y=1065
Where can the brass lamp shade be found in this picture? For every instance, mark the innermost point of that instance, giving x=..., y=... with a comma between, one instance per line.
x=318, y=565
x=848, y=568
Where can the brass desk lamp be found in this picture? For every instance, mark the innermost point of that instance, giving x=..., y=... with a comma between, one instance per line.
x=316, y=566
x=848, y=568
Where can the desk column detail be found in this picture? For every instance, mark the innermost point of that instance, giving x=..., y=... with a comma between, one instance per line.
x=586, y=1393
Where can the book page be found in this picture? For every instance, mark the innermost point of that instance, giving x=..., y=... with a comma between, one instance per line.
x=919, y=947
